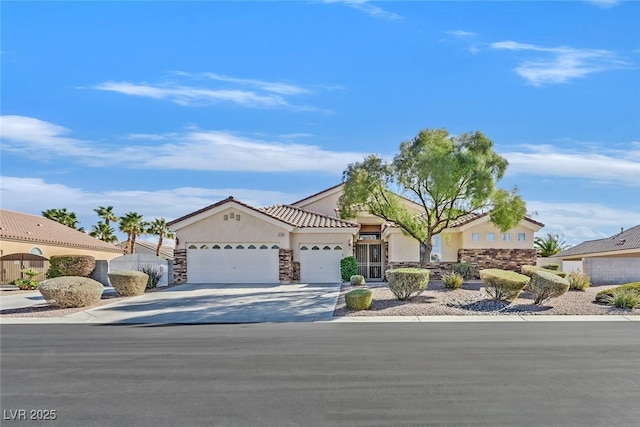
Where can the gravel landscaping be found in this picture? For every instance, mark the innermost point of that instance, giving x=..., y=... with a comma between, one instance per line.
x=471, y=299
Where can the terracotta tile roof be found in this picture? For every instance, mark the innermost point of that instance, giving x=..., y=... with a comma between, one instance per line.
x=470, y=217
x=38, y=229
x=305, y=219
x=627, y=239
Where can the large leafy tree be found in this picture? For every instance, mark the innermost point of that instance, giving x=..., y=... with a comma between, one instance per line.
x=158, y=227
x=132, y=224
x=448, y=176
x=63, y=216
x=107, y=214
x=104, y=232
x=549, y=245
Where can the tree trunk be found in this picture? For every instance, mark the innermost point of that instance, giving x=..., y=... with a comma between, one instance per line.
x=133, y=242
x=159, y=245
x=426, y=254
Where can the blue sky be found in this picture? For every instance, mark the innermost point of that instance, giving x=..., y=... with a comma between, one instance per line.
x=166, y=107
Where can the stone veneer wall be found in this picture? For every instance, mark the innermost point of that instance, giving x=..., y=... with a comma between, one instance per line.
x=296, y=271
x=180, y=266
x=505, y=259
x=285, y=266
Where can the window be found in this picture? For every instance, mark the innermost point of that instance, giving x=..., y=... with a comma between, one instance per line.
x=251, y=247
x=228, y=247
x=475, y=237
x=36, y=251
x=264, y=247
x=215, y=247
x=522, y=237
x=369, y=236
x=239, y=247
x=506, y=237
x=491, y=237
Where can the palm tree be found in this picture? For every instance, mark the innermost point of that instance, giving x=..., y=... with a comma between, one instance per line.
x=63, y=216
x=104, y=232
x=158, y=227
x=132, y=224
x=106, y=214
x=549, y=245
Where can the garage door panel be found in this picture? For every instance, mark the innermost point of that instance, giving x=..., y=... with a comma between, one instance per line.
x=233, y=263
x=320, y=263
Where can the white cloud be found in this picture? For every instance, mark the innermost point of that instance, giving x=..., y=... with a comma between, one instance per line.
x=578, y=222
x=206, y=150
x=461, y=34
x=368, y=7
x=561, y=64
x=276, y=87
x=604, y=4
x=621, y=167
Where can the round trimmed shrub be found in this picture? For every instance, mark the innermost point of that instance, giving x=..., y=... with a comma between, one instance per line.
x=544, y=285
x=503, y=285
x=71, y=291
x=71, y=265
x=359, y=299
x=406, y=283
x=530, y=270
x=348, y=268
x=128, y=283
x=605, y=295
x=357, y=280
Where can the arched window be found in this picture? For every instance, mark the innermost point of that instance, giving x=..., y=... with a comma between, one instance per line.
x=36, y=251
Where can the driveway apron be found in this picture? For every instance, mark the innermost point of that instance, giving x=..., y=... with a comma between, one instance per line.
x=222, y=303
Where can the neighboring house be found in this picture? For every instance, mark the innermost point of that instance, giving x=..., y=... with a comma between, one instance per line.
x=233, y=242
x=613, y=260
x=28, y=241
x=149, y=248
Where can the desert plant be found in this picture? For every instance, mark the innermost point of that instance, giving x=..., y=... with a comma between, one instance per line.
x=357, y=280
x=154, y=273
x=129, y=282
x=71, y=291
x=625, y=299
x=348, y=268
x=503, y=285
x=545, y=285
x=71, y=265
x=358, y=299
x=453, y=280
x=549, y=245
x=578, y=280
x=406, y=283
x=604, y=296
x=529, y=270
x=29, y=283
x=464, y=269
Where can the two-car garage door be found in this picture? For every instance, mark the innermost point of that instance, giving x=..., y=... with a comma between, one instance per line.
x=232, y=263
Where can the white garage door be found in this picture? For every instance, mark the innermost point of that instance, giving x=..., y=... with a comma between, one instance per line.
x=320, y=263
x=232, y=263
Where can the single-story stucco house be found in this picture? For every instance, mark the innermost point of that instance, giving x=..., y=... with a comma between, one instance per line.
x=304, y=241
x=609, y=261
x=28, y=241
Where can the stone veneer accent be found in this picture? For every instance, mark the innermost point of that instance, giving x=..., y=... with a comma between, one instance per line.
x=285, y=266
x=180, y=266
x=505, y=259
x=296, y=271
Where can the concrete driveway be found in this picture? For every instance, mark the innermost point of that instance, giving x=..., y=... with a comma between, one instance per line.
x=221, y=303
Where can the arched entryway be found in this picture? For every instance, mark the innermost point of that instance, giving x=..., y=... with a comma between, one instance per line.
x=11, y=264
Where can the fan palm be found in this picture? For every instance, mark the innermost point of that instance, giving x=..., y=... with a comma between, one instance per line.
x=63, y=216
x=107, y=214
x=549, y=245
x=158, y=227
x=132, y=224
x=104, y=232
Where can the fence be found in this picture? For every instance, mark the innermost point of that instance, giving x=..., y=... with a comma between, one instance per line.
x=137, y=261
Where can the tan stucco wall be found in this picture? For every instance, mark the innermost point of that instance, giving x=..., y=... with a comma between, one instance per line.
x=450, y=243
x=403, y=248
x=10, y=247
x=249, y=229
x=326, y=205
x=487, y=227
x=342, y=239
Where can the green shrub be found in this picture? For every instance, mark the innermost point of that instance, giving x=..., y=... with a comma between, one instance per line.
x=154, y=273
x=578, y=281
x=357, y=280
x=71, y=265
x=406, y=283
x=603, y=296
x=553, y=266
x=359, y=299
x=71, y=291
x=129, y=282
x=25, y=284
x=348, y=268
x=464, y=269
x=503, y=285
x=453, y=280
x=529, y=270
x=544, y=285
x=625, y=299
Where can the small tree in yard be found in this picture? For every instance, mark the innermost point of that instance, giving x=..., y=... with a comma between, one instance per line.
x=448, y=176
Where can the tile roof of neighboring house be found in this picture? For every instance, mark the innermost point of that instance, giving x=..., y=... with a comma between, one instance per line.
x=627, y=239
x=470, y=217
x=38, y=229
x=165, y=251
x=305, y=219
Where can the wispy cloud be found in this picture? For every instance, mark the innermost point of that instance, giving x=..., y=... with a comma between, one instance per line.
x=561, y=64
x=461, y=34
x=604, y=4
x=620, y=167
x=191, y=149
x=368, y=7
x=198, y=90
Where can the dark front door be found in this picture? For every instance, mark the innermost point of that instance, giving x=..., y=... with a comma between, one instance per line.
x=369, y=256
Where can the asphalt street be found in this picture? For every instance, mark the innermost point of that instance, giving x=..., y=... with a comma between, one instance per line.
x=322, y=374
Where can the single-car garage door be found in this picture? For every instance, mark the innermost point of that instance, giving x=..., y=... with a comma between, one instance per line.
x=232, y=263
x=320, y=263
